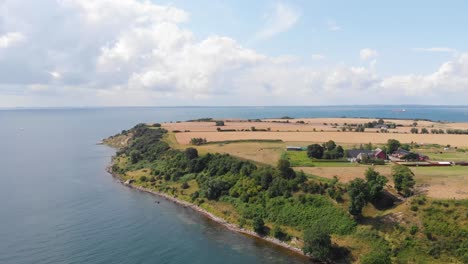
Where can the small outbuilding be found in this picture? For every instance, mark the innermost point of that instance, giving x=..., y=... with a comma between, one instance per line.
x=294, y=148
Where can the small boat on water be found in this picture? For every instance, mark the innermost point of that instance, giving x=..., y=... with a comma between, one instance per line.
x=399, y=110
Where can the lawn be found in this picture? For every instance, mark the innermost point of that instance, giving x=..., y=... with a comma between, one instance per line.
x=300, y=159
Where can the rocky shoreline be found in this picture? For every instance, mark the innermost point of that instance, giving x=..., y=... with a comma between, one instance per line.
x=211, y=216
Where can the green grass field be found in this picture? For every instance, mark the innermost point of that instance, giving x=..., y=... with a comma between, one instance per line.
x=300, y=159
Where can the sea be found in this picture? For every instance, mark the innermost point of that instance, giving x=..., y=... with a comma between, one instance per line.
x=59, y=205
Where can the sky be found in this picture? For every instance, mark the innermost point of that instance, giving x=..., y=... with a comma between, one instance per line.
x=81, y=53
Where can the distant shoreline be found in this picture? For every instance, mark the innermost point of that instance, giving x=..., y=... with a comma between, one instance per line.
x=210, y=216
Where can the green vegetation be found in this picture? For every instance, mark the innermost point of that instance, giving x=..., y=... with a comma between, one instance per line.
x=300, y=159
x=317, y=242
x=262, y=196
x=198, y=141
x=393, y=145
x=305, y=212
x=328, y=150
x=403, y=179
x=361, y=192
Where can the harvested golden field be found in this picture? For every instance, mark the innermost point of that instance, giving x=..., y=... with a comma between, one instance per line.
x=309, y=124
x=266, y=153
x=437, y=182
x=239, y=125
x=339, y=137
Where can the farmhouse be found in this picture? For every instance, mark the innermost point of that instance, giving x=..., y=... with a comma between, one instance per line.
x=356, y=155
x=402, y=154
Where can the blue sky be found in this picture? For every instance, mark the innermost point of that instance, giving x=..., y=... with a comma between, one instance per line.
x=394, y=28
x=297, y=52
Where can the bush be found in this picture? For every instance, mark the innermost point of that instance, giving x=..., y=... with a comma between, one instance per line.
x=377, y=256
x=194, y=195
x=143, y=178
x=317, y=243
x=198, y=141
x=413, y=230
x=278, y=233
x=185, y=185
x=191, y=153
x=258, y=225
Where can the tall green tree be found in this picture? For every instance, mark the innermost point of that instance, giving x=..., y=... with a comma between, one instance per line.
x=258, y=225
x=191, y=153
x=285, y=168
x=375, y=183
x=393, y=145
x=358, y=192
x=403, y=179
x=315, y=151
x=329, y=145
x=317, y=243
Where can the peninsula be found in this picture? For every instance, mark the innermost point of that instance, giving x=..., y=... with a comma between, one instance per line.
x=313, y=195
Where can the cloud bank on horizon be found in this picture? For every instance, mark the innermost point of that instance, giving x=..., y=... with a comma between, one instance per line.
x=132, y=52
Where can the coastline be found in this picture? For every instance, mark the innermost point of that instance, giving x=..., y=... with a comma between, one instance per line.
x=211, y=216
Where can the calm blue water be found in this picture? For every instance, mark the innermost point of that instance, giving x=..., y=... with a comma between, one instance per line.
x=60, y=206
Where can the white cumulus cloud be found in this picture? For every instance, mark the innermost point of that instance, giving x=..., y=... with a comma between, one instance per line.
x=282, y=18
x=10, y=39
x=368, y=54
x=133, y=52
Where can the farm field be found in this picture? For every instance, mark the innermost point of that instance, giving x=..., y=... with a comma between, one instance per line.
x=338, y=137
x=307, y=124
x=437, y=182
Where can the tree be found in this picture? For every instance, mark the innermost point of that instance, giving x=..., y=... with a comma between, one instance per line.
x=359, y=193
x=393, y=145
x=285, y=168
x=220, y=123
x=340, y=151
x=258, y=225
x=317, y=243
x=135, y=156
x=406, y=147
x=329, y=145
x=424, y=131
x=375, y=183
x=411, y=156
x=315, y=151
x=198, y=141
x=414, y=130
x=278, y=233
x=403, y=179
x=191, y=153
